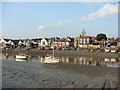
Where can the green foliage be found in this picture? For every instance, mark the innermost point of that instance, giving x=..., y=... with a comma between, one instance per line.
x=101, y=36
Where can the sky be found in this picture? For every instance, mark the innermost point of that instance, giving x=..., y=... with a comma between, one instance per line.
x=60, y=19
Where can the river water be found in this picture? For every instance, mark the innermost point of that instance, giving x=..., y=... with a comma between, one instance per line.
x=107, y=62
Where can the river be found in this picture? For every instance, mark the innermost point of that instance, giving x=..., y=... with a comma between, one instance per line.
x=106, y=62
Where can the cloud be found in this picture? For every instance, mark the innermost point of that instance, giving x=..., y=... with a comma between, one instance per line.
x=102, y=12
x=59, y=23
x=41, y=27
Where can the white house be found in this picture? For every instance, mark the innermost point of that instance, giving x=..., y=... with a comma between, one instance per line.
x=4, y=41
x=45, y=42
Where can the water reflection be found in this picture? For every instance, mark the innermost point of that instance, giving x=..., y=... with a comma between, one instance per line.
x=21, y=60
x=108, y=62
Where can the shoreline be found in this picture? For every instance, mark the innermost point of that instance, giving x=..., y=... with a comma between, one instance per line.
x=39, y=75
x=35, y=52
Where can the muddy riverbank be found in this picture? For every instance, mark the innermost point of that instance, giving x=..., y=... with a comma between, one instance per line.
x=39, y=75
x=85, y=53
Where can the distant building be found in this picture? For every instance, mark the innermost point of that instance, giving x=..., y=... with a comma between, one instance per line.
x=118, y=42
x=37, y=41
x=64, y=42
x=69, y=41
x=9, y=42
x=76, y=40
x=53, y=40
x=83, y=33
x=83, y=39
x=45, y=42
x=103, y=43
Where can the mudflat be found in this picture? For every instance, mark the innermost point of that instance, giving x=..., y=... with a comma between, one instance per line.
x=69, y=53
x=40, y=75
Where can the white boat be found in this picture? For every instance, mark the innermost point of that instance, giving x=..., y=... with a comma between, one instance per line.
x=113, y=51
x=107, y=50
x=51, y=59
x=21, y=60
x=112, y=59
x=21, y=57
x=106, y=59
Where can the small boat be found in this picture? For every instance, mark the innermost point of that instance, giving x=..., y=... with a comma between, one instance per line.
x=21, y=60
x=112, y=59
x=113, y=51
x=106, y=59
x=21, y=57
x=51, y=60
x=107, y=50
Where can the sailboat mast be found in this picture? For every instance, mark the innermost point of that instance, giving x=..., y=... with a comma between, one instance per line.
x=53, y=49
x=53, y=46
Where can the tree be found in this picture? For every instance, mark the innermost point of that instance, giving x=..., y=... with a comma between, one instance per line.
x=101, y=36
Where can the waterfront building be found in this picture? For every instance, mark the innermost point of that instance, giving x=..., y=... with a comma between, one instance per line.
x=45, y=42
x=83, y=33
x=84, y=40
x=76, y=41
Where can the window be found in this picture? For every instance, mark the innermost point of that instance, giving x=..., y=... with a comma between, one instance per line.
x=43, y=42
x=81, y=40
x=88, y=40
x=84, y=41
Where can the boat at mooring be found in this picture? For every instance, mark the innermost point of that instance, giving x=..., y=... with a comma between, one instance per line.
x=21, y=56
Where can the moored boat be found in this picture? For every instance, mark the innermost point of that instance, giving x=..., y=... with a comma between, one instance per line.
x=51, y=60
x=21, y=60
x=21, y=56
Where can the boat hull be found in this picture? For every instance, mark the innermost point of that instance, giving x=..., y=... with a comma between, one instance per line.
x=21, y=57
x=52, y=60
x=21, y=60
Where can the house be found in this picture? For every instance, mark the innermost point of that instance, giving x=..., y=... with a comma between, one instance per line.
x=70, y=42
x=110, y=42
x=9, y=43
x=29, y=43
x=23, y=42
x=103, y=43
x=54, y=40
x=59, y=43
x=15, y=42
x=45, y=42
x=118, y=42
x=6, y=42
x=20, y=42
x=37, y=41
x=84, y=40
x=64, y=42
x=76, y=41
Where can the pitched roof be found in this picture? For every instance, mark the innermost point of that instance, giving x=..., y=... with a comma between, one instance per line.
x=15, y=41
x=7, y=40
x=47, y=39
